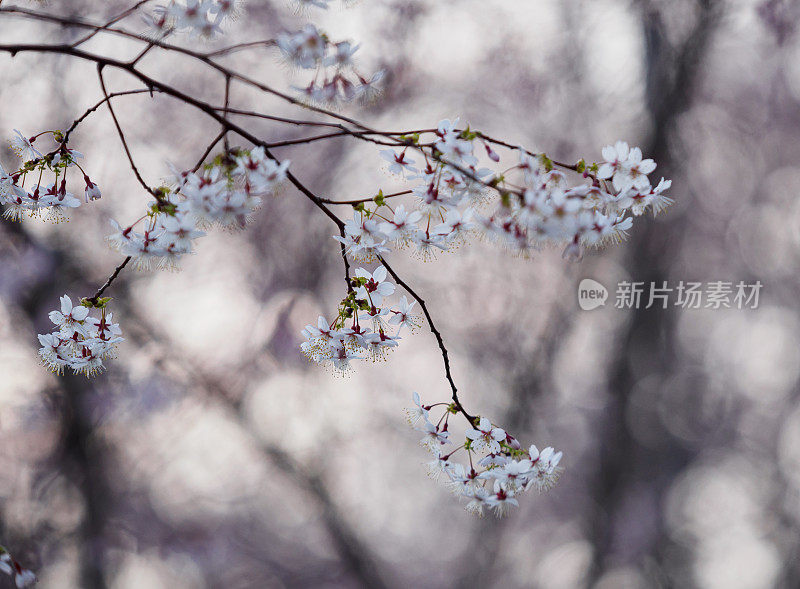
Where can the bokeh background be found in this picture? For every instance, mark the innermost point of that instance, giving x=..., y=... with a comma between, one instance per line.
x=211, y=454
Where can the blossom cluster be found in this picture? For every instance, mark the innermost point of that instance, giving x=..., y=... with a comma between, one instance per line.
x=336, y=78
x=201, y=18
x=9, y=566
x=225, y=193
x=81, y=341
x=497, y=469
x=362, y=328
x=534, y=206
x=42, y=198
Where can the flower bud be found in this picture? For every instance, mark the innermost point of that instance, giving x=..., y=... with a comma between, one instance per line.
x=491, y=153
x=92, y=191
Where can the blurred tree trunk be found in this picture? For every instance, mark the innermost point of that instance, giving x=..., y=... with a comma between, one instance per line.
x=647, y=343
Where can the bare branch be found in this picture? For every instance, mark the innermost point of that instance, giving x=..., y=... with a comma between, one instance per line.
x=120, y=132
x=110, y=280
x=437, y=335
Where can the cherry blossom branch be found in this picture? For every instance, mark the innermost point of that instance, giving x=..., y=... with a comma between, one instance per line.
x=536, y=207
x=205, y=58
x=230, y=74
x=150, y=82
x=227, y=125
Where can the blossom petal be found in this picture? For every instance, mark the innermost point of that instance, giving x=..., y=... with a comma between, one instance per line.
x=380, y=274
x=79, y=313
x=66, y=305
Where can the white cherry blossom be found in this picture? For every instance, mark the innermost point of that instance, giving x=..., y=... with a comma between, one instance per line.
x=375, y=286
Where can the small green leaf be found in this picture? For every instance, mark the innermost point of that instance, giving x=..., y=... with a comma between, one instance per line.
x=96, y=304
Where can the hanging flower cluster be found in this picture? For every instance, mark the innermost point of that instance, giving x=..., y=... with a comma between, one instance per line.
x=336, y=78
x=46, y=194
x=496, y=469
x=81, y=341
x=225, y=194
x=362, y=327
x=200, y=18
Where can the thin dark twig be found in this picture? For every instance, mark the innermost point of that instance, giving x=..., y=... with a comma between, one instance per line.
x=142, y=53
x=227, y=104
x=360, y=200
x=208, y=150
x=91, y=109
x=116, y=19
x=437, y=335
x=120, y=132
x=111, y=279
x=572, y=167
x=240, y=46
x=299, y=122
x=346, y=261
x=344, y=133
